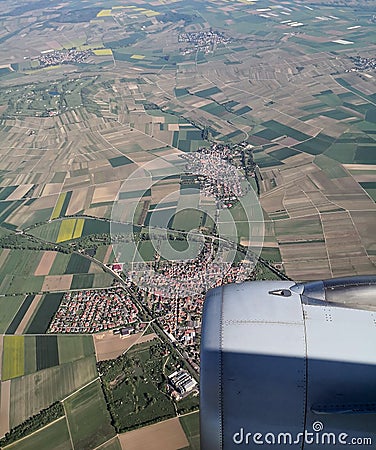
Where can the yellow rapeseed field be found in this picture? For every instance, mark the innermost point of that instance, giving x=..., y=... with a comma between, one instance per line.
x=13, y=357
x=59, y=204
x=66, y=230
x=78, y=228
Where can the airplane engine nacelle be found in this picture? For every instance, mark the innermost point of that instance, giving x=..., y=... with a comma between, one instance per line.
x=289, y=364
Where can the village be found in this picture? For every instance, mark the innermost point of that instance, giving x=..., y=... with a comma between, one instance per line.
x=203, y=41
x=218, y=178
x=55, y=57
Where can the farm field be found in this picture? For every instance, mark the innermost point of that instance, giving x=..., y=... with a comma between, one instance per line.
x=168, y=434
x=72, y=348
x=112, y=444
x=191, y=427
x=110, y=346
x=55, y=436
x=88, y=418
x=8, y=309
x=13, y=357
x=31, y=393
x=32, y=271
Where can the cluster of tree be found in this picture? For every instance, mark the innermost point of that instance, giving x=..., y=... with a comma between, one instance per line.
x=33, y=423
x=175, y=17
x=17, y=241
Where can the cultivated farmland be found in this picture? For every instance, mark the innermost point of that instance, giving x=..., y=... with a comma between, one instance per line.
x=31, y=393
x=88, y=418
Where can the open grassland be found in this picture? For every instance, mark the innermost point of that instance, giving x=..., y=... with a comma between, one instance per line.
x=88, y=419
x=54, y=436
x=13, y=357
x=31, y=393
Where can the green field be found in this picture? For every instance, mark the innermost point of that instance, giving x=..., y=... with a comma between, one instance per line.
x=88, y=418
x=48, y=306
x=8, y=309
x=30, y=354
x=46, y=352
x=191, y=427
x=72, y=348
x=31, y=393
x=82, y=281
x=60, y=264
x=17, y=284
x=302, y=227
x=54, y=436
x=48, y=231
x=271, y=254
x=77, y=264
x=21, y=262
x=331, y=167
x=120, y=161
x=20, y=314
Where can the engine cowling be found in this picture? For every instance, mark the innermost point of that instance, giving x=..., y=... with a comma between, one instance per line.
x=285, y=364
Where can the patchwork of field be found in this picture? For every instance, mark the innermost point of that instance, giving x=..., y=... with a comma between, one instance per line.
x=314, y=206
x=35, y=271
x=77, y=139
x=24, y=357
x=168, y=435
x=31, y=393
x=330, y=122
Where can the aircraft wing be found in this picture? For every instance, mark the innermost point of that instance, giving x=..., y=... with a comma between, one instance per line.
x=281, y=361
